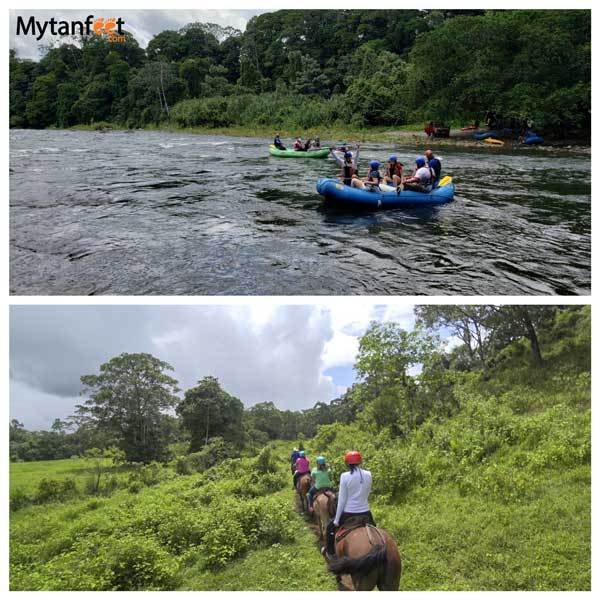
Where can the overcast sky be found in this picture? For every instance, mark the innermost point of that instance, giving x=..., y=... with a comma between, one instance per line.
x=292, y=355
x=144, y=24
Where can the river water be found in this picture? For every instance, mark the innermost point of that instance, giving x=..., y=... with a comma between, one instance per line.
x=176, y=214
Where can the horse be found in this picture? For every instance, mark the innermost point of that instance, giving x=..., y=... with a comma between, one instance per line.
x=370, y=556
x=324, y=506
x=303, y=485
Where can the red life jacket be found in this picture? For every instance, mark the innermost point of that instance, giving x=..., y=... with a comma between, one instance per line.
x=397, y=170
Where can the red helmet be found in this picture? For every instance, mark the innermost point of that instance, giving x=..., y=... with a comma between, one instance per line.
x=353, y=458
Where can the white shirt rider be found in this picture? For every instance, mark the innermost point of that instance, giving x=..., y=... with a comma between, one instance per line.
x=353, y=496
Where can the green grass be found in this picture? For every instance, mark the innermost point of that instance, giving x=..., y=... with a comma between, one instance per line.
x=451, y=542
x=230, y=529
x=27, y=475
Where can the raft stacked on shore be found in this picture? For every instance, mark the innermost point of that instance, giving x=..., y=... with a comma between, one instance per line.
x=337, y=193
x=321, y=153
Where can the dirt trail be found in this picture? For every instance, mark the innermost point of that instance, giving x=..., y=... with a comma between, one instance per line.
x=311, y=523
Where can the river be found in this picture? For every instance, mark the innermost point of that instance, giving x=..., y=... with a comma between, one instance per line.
x=180, y=214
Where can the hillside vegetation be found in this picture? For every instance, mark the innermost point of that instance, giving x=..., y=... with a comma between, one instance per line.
x=489, y=489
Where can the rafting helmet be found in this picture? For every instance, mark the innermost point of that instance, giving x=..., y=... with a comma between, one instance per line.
x=420, y=161
x=321, y=460
x=393, y=158
x=347, y=154
x=295, y=450
x=353, y=458
x=302, y=454
x=374, y=164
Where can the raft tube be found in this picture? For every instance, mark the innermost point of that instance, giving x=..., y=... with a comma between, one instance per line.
x=483, y=136
x=321, y=153
x=337, y=193
x=533, y=139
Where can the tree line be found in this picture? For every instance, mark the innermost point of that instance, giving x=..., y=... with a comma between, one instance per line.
x=310, y=68
x=132, y=403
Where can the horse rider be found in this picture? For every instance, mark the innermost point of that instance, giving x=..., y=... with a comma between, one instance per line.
x=294, y=458
x=302, y=466
x=353, y=499
x=320, y=477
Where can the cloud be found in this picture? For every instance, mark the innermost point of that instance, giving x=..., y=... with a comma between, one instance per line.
x=292, y=355
x=143, y=24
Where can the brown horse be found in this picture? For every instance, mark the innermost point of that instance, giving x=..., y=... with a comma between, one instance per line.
x=370, y=556
x=324, y=506
x=302, y=487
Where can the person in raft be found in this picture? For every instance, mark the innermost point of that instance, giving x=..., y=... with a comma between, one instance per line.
x=277, y=143
x=420, y=180
x=298, y=145
x=317, y=142
x=393, y=172
x=371, y=180
x=353, y=499
x=320, y=477
x=348, y=171
x=435, y=164
x=302, y=466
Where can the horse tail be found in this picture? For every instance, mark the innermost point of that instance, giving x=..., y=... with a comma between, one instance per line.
x=362, y=565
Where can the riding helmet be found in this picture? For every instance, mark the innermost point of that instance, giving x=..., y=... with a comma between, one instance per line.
x=353, y=458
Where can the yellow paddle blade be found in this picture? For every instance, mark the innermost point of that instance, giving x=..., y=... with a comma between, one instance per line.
x=445, y=181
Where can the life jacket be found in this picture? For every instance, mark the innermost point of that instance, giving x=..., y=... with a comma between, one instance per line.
x=397, y=170
x=348, y=170
x=373, y=178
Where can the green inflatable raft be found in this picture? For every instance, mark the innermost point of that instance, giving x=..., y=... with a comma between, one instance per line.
x=320, y=153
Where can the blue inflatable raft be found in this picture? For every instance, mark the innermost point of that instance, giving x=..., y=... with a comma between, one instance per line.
x=533, y=139
x=483, y=136
x=337, y=193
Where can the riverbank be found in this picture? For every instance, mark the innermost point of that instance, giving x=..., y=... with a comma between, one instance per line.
x=410, y=134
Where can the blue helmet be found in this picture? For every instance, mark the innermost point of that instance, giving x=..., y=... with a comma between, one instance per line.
x=374, y=164
x=394, y=158
x=321, y=460
x=348, y=154
x=302, y=454
x=420, y=161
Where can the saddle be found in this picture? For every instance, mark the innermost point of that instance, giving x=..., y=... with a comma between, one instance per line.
x=327, y=491
x=351, y=524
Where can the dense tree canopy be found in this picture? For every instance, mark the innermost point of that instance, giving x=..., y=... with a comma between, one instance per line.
x=305, y=68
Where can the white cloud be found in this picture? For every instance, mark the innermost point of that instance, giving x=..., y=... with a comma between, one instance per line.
x=259, y=352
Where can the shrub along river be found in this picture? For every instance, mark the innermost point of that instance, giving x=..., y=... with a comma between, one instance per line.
x=171, y=213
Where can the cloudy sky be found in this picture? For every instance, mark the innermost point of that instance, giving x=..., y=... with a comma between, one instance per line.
x=292, y=355
x=144, y=24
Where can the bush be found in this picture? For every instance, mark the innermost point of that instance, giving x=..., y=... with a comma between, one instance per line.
x=56, y=489
x=396, y=472
x=19, y=499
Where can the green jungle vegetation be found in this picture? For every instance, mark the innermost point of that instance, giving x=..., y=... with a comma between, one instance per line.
x=295, y=70
x=481, y=465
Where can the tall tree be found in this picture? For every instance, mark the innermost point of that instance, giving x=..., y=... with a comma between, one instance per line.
x=129, y=398
x=208, y=411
